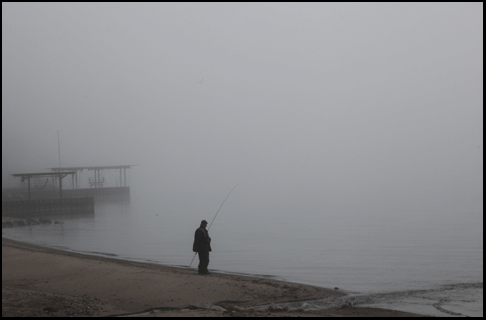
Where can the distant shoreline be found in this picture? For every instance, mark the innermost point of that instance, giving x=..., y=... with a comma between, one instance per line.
x=51, y=281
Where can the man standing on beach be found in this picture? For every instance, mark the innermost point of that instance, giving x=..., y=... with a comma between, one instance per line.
x=202, y=246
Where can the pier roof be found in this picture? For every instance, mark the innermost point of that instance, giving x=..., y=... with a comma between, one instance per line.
x=40, y=174
x=128, y=166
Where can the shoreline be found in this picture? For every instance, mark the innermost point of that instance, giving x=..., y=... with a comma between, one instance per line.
x=55, y=282
x=109, y=257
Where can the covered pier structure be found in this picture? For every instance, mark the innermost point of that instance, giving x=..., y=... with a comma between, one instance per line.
x=96, y=185
x=28, y=176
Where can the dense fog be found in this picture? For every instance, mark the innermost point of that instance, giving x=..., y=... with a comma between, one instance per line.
x=313, y=109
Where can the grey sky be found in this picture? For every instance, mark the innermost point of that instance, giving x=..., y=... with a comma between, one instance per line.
x=310, y=107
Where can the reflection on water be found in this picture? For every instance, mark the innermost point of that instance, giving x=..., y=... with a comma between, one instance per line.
x=368, y=255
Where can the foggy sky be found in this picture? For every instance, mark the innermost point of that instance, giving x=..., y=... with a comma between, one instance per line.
x=309, y=107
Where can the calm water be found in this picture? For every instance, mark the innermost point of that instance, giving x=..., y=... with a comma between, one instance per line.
x=401, y=263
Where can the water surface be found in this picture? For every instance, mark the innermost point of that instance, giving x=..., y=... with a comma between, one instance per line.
x=391, y=261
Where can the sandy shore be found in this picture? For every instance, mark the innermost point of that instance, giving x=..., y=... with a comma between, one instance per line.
x=39, y=281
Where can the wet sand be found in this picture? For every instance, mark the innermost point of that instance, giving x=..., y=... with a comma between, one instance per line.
x=40, y=281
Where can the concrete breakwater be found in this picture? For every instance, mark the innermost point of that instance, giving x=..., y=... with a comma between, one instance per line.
x=29, y=208
x=99, y=194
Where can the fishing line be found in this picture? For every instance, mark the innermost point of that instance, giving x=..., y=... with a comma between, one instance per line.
x=215, y=218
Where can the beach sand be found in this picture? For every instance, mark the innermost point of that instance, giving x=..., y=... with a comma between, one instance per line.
x=40, y=281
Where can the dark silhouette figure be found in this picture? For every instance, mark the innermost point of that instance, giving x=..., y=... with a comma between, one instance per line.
x=202, y=246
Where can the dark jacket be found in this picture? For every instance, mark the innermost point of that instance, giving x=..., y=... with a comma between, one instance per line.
x=201, y=240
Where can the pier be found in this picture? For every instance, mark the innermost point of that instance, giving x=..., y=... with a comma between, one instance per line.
x=96, y=185
x=45, y=192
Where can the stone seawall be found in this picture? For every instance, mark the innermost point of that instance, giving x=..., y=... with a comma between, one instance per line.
x=28, y=208
x=11, y=223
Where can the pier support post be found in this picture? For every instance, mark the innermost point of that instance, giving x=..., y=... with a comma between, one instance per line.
x=28, y=186
x=60, y=185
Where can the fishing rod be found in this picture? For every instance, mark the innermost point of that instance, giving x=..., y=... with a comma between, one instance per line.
x=215, y=218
